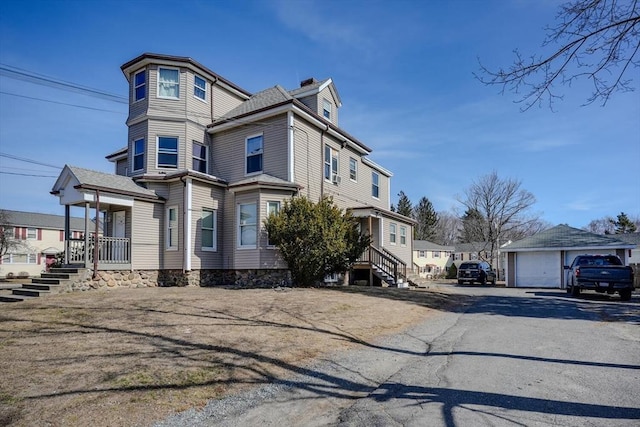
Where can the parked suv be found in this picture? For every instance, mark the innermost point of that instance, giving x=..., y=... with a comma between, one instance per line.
x=476, y=271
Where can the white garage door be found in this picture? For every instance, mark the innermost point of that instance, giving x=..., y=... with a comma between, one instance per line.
x=538, y=269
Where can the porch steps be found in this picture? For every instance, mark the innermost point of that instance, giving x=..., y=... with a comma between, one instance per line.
x=47, y=284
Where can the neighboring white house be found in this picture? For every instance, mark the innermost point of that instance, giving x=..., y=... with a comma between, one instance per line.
x=39, y=236
x=538, y=261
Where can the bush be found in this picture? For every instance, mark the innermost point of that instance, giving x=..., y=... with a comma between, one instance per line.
x=453, y=272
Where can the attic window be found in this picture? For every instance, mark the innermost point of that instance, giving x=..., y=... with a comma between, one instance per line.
x=326, y=109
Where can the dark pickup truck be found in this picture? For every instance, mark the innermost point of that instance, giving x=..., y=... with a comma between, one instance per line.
x=602, y=273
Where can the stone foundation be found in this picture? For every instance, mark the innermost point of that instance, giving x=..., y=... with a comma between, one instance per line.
x=84, y=281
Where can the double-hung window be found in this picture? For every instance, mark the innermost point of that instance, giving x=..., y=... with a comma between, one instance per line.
x=208, y=229
x=392, y=233
x=403, y=235
x=199, y=157
x=172, y=228
x=326, y=109
x=247, y=221
x=375, y=184
x=421, y=254
x=353, y=169
x=168, y=83
x=138, y=154
x=254, y=151
x=330, y=163
x=167, y=152
x=140, y=86
x=199, y=88
x=272, y=209
x=32, y=233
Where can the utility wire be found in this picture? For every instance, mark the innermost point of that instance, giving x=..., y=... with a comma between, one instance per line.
x=22, y=159
x=62, y=103
x=30, y=76
x=28, y=174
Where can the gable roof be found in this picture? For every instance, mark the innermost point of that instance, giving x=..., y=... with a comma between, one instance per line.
x=315, y=88
x=88, y=179
x=425, y=245
x=261, y=100
x=40, y=220
x=563, y=237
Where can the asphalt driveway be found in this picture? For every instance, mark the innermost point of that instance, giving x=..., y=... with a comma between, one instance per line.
x=510, y=357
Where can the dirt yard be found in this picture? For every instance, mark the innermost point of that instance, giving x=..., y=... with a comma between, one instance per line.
x=134, y=356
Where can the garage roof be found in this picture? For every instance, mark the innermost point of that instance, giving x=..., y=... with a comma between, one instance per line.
x=564, y=237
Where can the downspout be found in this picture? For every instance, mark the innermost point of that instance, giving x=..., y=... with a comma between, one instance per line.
x=215, y=80
x=291, y=137
x=322, y=160
x=96, y=240
x=187, y=224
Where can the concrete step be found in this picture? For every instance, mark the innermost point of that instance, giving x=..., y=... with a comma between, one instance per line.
x=55, y=275
x=45, y=281
x=42, y=287
x=14, y=298
x=30, y=292
x=70, y=270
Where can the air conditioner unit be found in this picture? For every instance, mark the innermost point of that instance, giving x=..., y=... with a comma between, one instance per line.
x=335, y=179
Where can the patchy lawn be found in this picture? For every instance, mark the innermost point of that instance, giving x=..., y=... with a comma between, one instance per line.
x=134, y=356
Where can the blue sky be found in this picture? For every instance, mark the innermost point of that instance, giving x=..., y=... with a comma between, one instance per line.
x=404, y=71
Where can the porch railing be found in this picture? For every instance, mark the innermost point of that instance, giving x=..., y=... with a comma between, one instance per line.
x=386, y=262
x=111, y=251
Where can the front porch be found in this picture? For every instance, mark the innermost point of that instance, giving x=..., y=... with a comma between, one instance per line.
x=110, y=253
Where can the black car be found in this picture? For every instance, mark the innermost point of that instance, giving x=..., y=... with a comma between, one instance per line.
x=476, y=271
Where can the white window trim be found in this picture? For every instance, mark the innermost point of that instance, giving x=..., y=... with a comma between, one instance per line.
x=158, y=85
x=35, y=231
x=246, y=154
x=198, y=87
x=240, y=246
x=133, y=159
x=326, y=103
x=269, y=202
x=143, y=71
x=177, y=138
x=355, y=162
x=330, y=162
x=206, y=154
x=214, y=247
x=403, y=235
x=393, y=231
x=168, y=229
x=377, y=185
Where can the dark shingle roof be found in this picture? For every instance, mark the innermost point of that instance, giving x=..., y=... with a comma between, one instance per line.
x=565, y=237
x=264, y=99
x=117, y=183
x=40, y=220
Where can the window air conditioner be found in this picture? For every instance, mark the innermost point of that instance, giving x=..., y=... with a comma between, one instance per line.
x=335, y=179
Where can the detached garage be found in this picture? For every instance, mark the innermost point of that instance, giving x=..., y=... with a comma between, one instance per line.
x=538, y=261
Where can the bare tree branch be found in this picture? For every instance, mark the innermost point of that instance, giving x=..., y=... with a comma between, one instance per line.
x=598, y=40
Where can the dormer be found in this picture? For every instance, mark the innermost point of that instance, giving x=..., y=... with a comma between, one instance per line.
x=320, y=96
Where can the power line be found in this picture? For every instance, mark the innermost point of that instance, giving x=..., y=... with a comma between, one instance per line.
x=61, y=103
x=30, y=76
x=22, y=159
x=27, y=174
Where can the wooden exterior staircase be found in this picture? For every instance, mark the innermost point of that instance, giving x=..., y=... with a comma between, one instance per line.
x=384, y=265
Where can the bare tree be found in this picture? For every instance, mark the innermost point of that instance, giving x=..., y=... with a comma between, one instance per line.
x=447, y=228
x=504, y=209
x=8, y=241
x=598, y=40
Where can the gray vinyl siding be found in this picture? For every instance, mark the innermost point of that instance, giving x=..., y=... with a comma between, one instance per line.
x=164, y=107
x=122, y=167
x=269, y=255
x=308, y=158
x=139, y=108
x=147, y=238
x=383, y=183
x=246, y=258
x=401, y=251
x=228, y=231
x=194, y=133
x=228, y=149
x=165, y=128
x=173, y=259
x=311, y=102
x=206, y=197
x=198, y=111
x=326, y=94
x=136, y=132
x=223, y=101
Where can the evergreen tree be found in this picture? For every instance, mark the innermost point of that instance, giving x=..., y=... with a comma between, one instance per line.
x=473, y=225
x=623, y=225
x=427, y=220
x=404, y=205
x=315, y=239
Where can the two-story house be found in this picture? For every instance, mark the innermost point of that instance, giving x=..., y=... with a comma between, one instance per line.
x=207, y=161
x=36, y=240
x=431, y=260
